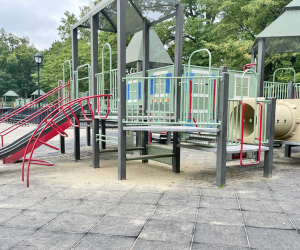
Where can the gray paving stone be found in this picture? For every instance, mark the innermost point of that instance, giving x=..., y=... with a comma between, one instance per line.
x=254, y=194
x=72, y=223
x=10, y=237
x=142, y=198
x=260, y=205
x=54, y=205
x=220, y=235
x=107, y=196
x=286, y=195
x=213, y=202
x=117, y=187
x=217, y=216
x=7, y=213
x=197, y=246
x=142, y=244
x=170, y=231
x=103, y=242
x=93, y=207
x=147, y=189
x=50, y=241
x=184, y=190
x=219, y=192
x=139, y=211
x=174, y=199
x=73, y=193
x=30, y=219
x=265, y=238
x=290, y=207
x=267, y=220
x=19, y=202
x=39, y=191
x=175, y=213
x=12, y=189
x=295, y=218
x=119, y=226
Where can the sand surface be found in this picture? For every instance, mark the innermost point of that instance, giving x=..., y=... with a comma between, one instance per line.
x=197, y=167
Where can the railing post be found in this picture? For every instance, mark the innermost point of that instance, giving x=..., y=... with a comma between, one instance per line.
x=62, y=144
x=177, y=73
x=222, y=135
x=121, y=41
x=268, y=161
x=145, y=136
x=291, y=95
x=88, y=127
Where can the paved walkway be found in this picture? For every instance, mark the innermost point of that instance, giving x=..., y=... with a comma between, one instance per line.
x=56, y=213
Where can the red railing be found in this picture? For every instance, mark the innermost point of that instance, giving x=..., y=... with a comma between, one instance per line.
x=35, y=101
x=58, y=102
x=249, y=65
x=242, y=135
x=49, y=122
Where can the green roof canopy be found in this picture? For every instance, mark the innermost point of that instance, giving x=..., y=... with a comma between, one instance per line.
x=152, y=11
x=282, y=35
x=37, y=93
x=11, y=93
x=158, y=53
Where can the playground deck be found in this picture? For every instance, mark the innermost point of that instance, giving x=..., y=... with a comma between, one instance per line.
x=74, y=206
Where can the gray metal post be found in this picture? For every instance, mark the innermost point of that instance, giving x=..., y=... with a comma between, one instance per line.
x=222, y=117
x=146, y=31
x=88, y=135
x=291, y=95
x=168, y=138
x=75, y=65
x=261, y=66
x=253, y=56
x=94, y=67
x=103, y=132
x=138, y=66
x=177, y=73
x=62, y=145
x=121, y=39
x=268, y=161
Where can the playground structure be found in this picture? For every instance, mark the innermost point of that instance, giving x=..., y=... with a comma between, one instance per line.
x=209, y=109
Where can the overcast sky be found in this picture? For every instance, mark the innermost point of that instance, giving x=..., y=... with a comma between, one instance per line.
x=37, y=19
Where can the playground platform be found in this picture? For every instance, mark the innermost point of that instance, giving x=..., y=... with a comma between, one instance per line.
x=71, y=205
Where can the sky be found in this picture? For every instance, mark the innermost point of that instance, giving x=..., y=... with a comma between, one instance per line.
x=37, y=19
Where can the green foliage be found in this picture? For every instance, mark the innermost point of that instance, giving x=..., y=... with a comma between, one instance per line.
x=16, y=64
x=227, y=28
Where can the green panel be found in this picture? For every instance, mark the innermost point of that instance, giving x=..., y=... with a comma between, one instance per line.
x=155, y=150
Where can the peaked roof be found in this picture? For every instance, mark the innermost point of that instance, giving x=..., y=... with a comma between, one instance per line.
x=158, y=53
x=283, y=35
x=37, y=93
x=10, y=93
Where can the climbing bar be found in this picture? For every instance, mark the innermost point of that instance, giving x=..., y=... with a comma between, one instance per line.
x=145, y=157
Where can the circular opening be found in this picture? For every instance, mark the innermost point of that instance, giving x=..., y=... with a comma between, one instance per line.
x=248, y=119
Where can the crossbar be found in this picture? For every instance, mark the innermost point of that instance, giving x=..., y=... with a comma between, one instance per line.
x=145, y=157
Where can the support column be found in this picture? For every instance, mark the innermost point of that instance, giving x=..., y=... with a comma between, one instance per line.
x=169, y=137
x=103, y=132
x=291, y=95
x=177, y=73
x=121, y=38
x=253, y=56
x=75, y=65
x=260, y=68
x=222, y=135
x=88, y=134
x=62, y=145
x=146, y=48
x=268, y=161
x=138, y=66
x=94, y=71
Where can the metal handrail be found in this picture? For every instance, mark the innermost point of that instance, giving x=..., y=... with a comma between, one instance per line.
x=209, y=54
x=49, y=121
x=284, y=69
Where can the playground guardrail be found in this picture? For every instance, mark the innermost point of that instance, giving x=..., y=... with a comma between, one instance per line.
x=278, y=90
